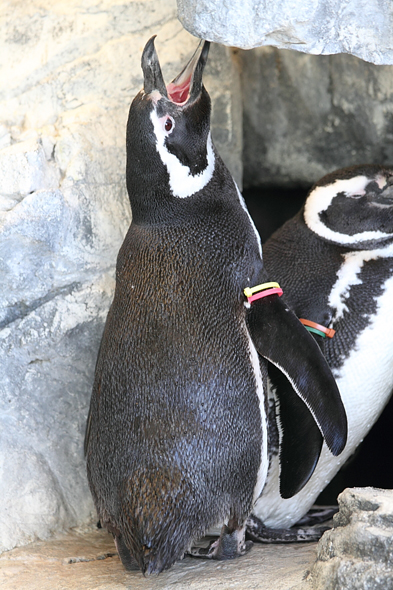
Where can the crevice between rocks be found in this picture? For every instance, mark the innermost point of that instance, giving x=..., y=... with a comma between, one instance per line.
x=20, y=310
x=72, y=560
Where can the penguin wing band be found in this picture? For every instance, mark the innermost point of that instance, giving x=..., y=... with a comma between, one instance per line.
x=263, y=290
x=318, y=328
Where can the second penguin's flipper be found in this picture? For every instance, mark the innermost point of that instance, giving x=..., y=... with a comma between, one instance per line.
x=295, y=417
x=280, y=338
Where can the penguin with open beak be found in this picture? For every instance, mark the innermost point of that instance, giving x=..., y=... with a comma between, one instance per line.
x=177, y=433
x=334, y=260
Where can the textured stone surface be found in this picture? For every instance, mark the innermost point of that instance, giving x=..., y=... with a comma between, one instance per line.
x=357, y=554
x=307, y=115
x=360, y=27
x=222, y=80
x=68, y=74
x=86, y=561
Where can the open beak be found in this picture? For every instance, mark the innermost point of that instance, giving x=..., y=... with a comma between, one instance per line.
x=187, y=86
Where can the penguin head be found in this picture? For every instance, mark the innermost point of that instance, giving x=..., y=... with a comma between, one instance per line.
x=352, y=207
x=170, y=156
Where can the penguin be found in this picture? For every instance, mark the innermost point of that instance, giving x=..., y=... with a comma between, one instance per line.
x=177, y=432
x=334, y=261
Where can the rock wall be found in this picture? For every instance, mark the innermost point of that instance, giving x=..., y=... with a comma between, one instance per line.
x=68, y=74
x=357, y=553
x=359, y=27
x=306, y=115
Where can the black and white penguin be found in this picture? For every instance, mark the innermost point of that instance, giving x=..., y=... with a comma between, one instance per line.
x=334, y=261
x=176, y=439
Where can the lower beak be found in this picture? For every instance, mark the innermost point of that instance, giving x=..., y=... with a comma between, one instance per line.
x=188, y=84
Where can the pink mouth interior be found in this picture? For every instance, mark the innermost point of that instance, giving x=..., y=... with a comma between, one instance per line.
x=178, y=93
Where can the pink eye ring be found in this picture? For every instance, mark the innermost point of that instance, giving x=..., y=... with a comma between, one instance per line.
x=169, y=124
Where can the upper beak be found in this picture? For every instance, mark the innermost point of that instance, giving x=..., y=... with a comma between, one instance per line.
x=186, y=86
x=152, y=74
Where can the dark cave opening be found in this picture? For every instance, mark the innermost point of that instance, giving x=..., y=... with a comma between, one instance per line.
x=370, y=465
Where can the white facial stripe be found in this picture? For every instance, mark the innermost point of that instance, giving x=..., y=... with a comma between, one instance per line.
x=347, y=276
x=320, y=199
x=243, y=204
x=182, y=183
x=262, y=472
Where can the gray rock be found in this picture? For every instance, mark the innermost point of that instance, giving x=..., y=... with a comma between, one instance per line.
x=24, y=169
x=222, y=81
x=306, y=115
x=359, y=27
x=357, y=554
x=56, y=264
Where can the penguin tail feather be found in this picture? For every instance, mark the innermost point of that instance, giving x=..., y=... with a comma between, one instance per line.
x=160, y=517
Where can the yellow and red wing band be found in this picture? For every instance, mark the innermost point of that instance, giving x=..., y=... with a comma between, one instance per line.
x=263, y=290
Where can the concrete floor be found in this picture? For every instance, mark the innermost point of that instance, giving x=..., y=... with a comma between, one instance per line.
x=88, y=561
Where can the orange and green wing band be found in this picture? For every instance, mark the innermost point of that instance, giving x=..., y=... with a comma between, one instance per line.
x=318, y=328
x=263, y=290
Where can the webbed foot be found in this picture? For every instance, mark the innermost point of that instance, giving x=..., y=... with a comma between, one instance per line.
x=303, y=531
x=317, y=514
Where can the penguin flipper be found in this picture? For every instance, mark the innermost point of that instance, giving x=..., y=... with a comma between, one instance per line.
x=279, y=337
x=96, y=392
x=295, y=417
x=87, y=432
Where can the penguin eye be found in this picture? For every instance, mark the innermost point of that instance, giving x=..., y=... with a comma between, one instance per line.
x=169, y=124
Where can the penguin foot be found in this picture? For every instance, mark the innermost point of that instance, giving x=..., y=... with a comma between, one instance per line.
x=257, y=531
x=317, y=514
x=229, y=545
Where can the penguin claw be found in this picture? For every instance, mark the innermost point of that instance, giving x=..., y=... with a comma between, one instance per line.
x=229, y=545
x=205, y=552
